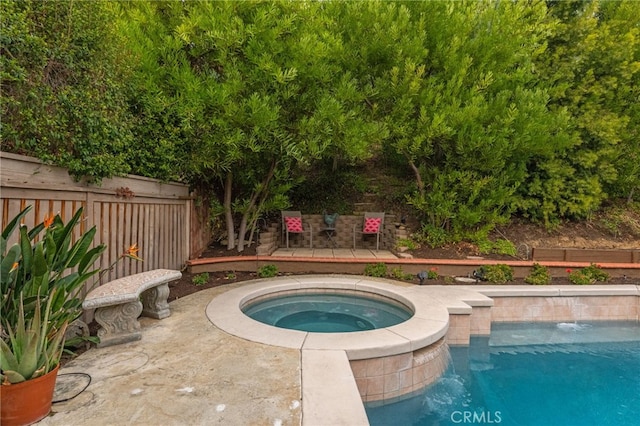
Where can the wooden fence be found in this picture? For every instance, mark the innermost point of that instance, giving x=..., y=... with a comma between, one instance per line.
x=159, y=217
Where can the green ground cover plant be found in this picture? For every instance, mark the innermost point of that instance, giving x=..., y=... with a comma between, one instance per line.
x=539, y=275
x=408, y=243
x=201, y=279
x=498, y=274
x=375, y=270
x=267, y=271
x=399, y=274
x=432, y=273
x=588, y=275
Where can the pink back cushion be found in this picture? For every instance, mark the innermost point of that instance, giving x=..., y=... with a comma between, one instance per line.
x=294, y=224
x=372, y=225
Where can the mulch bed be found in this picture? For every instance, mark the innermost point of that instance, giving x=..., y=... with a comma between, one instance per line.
x=185, y=285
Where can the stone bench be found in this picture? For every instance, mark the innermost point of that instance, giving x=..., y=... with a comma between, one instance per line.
x=119, y=303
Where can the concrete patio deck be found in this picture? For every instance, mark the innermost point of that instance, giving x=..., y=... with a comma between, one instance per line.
x=184, y=371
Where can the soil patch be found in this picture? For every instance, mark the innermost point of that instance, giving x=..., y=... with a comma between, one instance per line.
x=185, y=285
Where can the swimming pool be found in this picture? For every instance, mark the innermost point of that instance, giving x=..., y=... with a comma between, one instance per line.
x=533, y=374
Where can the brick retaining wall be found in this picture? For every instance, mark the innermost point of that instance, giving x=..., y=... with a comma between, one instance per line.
x=343, y=235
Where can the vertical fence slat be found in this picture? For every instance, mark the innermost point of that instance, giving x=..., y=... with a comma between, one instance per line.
x=161, y=242
x=148, y=261
x=176, y=246
x=30, y=217
x=136, y=233
x=121, y=247
x=154, y=235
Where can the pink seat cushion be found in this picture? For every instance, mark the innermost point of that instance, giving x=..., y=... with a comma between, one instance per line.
x=372, y=225
x=294, y=224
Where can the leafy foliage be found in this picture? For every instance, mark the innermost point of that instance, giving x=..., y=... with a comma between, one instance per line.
x=587, y=275
x=46, y=263
x=592, y=71
x=432, y=273
x=499, y=246
x=33, y=348
x=498, y=274
x=580, y=278
x=262, y=103
x=468, y=118
x=63, y=87
x=375, y=270
x=267, y=271
x=250, y=91
x=41, y=277
x=433, y=236
x=200, y=279
x=399, y=274
x=539, y=275
x=407, y=242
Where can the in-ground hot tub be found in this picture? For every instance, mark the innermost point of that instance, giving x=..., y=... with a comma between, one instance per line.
x=338, y=311
x=387, y=362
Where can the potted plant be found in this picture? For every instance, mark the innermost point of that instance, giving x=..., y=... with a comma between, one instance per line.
x=42, y=281
x=30, y=362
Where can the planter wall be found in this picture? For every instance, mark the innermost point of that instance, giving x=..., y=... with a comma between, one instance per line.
x=586, y=255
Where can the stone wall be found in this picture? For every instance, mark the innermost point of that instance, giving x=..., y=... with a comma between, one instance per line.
x=342, y=236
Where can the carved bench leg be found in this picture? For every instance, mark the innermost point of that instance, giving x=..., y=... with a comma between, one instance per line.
x=154, y=302
x=119, y=323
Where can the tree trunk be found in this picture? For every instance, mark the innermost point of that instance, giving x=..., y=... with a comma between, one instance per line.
x=228, y=214
x=419, y=182
x=264, y=187
x=254, y=220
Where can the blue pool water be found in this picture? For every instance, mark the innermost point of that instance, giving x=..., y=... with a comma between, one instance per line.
x=328, y=313
x=533, y=374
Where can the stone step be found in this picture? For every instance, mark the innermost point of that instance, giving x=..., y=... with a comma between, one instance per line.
x=265, y=249
x=402, y=233
x=267, y=237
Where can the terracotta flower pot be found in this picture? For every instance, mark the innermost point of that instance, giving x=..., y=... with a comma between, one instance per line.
x=27, y=402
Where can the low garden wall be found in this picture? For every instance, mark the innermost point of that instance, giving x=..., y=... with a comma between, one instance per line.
x=586, y=255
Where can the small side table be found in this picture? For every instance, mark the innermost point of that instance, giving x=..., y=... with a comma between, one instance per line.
x=329, y=234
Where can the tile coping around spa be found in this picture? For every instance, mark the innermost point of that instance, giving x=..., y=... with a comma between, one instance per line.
x=428, y=324
x=432, y=306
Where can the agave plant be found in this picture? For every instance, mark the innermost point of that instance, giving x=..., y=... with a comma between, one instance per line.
x=33, y=347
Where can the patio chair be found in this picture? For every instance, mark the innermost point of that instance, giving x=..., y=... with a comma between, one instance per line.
x=292, y=224
x=373, y=224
